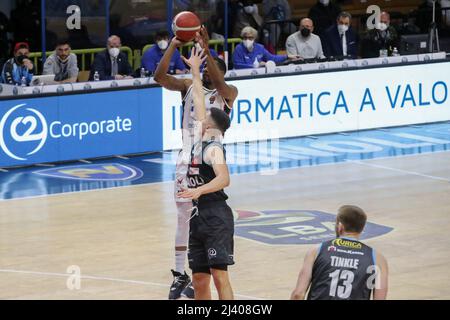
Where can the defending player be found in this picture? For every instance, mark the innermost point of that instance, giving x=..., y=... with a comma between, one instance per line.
x=217, y=94
x=211, y=224
x=344, y=268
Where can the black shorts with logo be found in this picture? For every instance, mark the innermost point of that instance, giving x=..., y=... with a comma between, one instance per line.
x=211, y=234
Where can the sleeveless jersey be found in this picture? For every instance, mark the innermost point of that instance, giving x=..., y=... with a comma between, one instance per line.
x=344, y=270
x=200, y=173
x=212, y=100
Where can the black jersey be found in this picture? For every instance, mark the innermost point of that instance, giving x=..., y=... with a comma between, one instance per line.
x=344, y=270
x=201, y=173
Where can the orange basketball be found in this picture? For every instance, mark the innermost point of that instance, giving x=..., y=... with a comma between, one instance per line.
x=185, y=25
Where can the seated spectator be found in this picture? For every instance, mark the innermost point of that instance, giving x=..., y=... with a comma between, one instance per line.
x=153, y=56
x=340, y=40
x=245, y=14
x=383, y=37
x=19, y=68
x=63, y=64
x=278, y=10
x=304, y=43
x=111, y=63
x=324, y=14
x=250, y=54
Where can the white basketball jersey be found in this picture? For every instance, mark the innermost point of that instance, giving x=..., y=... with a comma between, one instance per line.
x=212, y=100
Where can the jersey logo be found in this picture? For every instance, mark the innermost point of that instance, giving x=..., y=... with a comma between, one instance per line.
x=296, y=227
x=212, y=99
x=347, y=244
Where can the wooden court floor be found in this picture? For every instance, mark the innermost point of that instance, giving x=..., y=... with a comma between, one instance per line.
x=121, y=239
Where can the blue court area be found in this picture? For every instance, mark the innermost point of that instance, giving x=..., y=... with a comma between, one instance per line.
x=266, y=157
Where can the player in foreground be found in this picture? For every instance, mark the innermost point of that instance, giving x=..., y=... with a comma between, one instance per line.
x=211, y=225
x=344, y=268
x=217, y=94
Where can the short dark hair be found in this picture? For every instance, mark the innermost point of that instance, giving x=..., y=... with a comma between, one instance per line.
x=162, y=34
x=221, y=64
x=344, y=14
x=221, y=119
x=62, y=42
x=352, y=218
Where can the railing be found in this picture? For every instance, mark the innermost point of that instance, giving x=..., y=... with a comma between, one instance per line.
x=84, y=53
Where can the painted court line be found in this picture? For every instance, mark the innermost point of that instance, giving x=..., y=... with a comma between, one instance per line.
x=412, y=173
x=87, y=277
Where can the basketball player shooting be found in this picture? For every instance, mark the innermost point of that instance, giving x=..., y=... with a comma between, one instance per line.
x=217, y=94
x=211, y=224
x=344, y=268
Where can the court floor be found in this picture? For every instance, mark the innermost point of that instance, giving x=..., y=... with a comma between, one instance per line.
x=112, y=221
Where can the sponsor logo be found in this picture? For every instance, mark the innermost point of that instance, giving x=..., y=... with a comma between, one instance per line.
x=294, y=227
x=212, y=253
x=24, y=130
x=347, y=244
x=94, y=172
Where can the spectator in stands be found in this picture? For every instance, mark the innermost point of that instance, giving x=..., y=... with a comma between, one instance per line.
x=111, y=63
x=19, y=69
x=340, y=40
x=250, y=54
x=425, y=15
x=152, y=56
x=63, y=64
x=245, y=13
x=324, y=14
x=278, y=10
x=304, y=43
x=383, y=37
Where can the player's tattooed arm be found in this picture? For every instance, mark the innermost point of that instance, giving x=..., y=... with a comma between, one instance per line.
x=195, y=61
x=165, y=80
x=305, y=276
x=228, y=92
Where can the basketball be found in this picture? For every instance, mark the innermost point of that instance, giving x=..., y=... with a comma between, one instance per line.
x=185, y=25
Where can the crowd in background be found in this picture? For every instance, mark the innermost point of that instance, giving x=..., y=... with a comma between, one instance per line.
x=327, y=32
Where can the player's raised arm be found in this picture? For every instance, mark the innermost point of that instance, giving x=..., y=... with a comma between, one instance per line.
x=228, y=92
x=305, y=276
x=194, y=62
x=165, y=80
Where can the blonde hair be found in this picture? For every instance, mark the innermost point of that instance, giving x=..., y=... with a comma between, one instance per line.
x=249, y=30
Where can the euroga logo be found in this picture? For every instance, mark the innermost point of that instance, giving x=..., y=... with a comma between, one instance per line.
x=24, y=130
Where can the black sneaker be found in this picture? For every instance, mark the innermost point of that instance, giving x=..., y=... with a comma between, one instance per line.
x=188, y=291
x=180, y=281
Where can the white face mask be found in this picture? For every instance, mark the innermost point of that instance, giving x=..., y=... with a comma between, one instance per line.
x=382, y=26
x=325, y=2
x=248, y=44
x=249, y=9
x=163, y=44
x=114, y=52
x=342, y=28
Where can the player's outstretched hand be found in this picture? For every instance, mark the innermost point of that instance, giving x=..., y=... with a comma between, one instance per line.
x=193, y=194
x=177, y=42
x=196, y=59
x=203, y=38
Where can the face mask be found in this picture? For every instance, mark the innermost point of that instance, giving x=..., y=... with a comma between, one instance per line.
x=342, y=28
x=325, y=2
x=249, y=9
x=248, y=44
x=305, y=32
x=114, y=52
x=163, y=44
x=382, y=26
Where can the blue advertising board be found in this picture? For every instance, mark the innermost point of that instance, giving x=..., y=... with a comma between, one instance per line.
x=70, y=127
